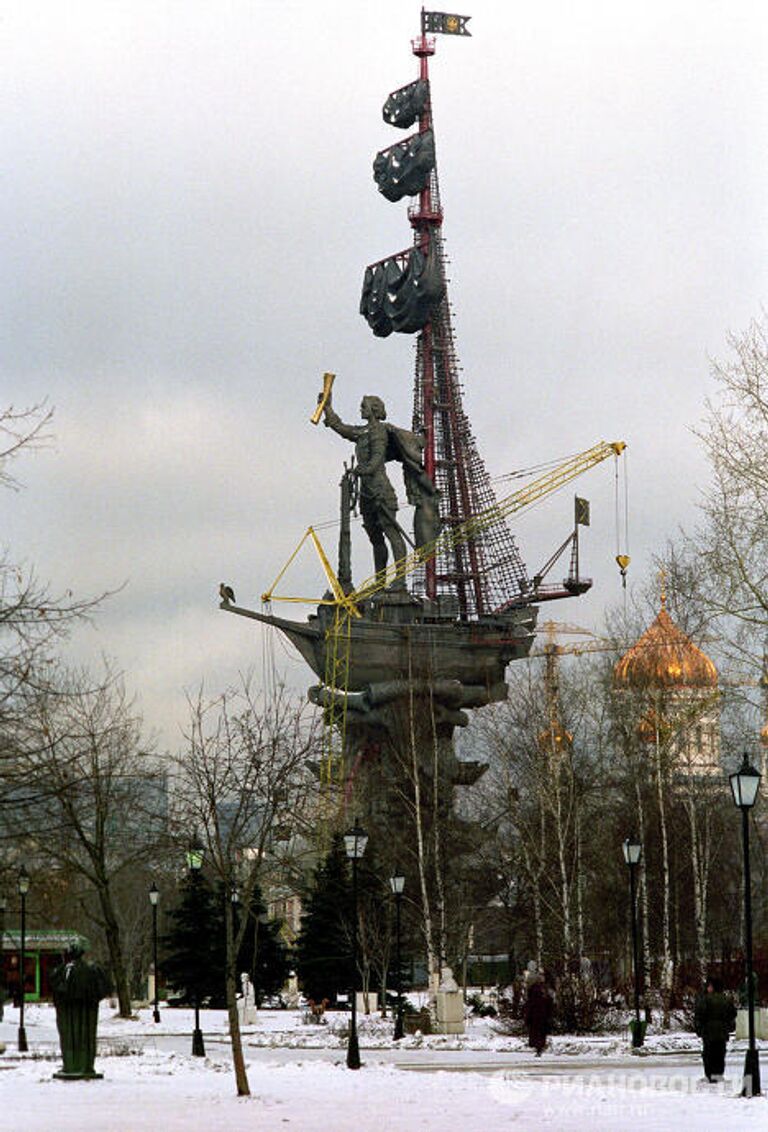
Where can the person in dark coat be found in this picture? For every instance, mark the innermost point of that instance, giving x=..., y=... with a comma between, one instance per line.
x=715, y=1018
x=14, y=982
x=537, y=1013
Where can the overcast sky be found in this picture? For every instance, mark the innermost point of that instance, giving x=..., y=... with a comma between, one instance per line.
x=187, y=209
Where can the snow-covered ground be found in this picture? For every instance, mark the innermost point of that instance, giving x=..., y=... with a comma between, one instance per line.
x=299, y=1081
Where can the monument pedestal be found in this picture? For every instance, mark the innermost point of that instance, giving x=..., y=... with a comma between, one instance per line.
x=761, y=1023
x=449, y=1006
x=62, y=1076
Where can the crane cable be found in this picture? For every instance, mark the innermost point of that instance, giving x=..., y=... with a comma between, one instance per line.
x=622, y=557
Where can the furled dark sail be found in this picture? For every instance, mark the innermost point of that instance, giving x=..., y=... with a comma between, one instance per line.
x=405, y=106
x=399, y=292
x=403, y=170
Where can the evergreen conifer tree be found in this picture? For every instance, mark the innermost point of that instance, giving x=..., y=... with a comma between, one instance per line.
x=263, y=954
x=323, y=952
x=192, y=946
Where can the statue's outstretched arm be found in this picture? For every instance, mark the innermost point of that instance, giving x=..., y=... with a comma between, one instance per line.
x=334, y=421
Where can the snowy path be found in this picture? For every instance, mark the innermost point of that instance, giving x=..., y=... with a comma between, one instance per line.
x=398, y=1090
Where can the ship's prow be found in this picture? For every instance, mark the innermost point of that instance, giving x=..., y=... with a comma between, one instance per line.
x=399, y=635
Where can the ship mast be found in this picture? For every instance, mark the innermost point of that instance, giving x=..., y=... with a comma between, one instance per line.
x=407, y=292
x=426, y=219
x=486, y=572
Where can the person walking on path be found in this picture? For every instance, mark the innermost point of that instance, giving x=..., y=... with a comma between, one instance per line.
x=715, y=1019
x=537, y=1013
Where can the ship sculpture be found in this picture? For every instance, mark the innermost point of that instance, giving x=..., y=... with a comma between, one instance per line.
x=401, y=656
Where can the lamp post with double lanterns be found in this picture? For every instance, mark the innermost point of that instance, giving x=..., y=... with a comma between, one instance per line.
x=397, y=884
x=23, y=890
x=355, y=842
x=195, y=858
x=745, y=783
x=154, y=896
x=633, y=851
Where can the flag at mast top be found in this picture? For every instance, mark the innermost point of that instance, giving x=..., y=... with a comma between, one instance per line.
x=443, y=23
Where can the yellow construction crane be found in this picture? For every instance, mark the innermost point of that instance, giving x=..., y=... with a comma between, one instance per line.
x=555, y=738
x=450, y=538
x=346, y=605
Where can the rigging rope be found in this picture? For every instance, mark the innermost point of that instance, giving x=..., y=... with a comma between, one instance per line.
x=523, y=473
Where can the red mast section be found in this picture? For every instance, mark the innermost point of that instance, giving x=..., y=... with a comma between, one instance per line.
x=407, y=293
x=486, y=572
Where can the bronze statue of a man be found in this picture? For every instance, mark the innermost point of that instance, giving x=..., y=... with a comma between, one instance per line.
x=78, y=986
x=378, y=502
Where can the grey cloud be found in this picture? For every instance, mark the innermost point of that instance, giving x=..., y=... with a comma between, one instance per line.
x=188, y=208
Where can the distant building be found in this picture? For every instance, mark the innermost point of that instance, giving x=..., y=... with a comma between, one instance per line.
x=676, y=685
x=43, y=952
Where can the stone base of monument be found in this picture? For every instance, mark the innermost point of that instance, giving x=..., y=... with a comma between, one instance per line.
x=449, y=1005
x=62, y=1076
x=449, y=1013
x=761, y=1023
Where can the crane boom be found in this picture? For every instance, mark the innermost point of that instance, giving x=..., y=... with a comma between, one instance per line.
x=454, y=536
x=464, y=532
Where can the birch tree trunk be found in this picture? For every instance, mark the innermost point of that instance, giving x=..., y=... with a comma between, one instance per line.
x=426, y=911
x=437, y=848
x=643, y=889
x=560, y=821
x=700, y=854
x=579, y=889
x=667, y=965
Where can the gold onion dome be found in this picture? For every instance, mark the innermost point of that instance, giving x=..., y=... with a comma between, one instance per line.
x=764, y=735
x=665, y=657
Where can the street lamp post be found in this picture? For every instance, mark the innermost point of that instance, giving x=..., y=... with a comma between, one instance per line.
x=154, y=896
x=355, y=842
x=397, y=884
x=744, y=786
x=234, y=905
x=195, y=862
x=23, y=890
x=633, y=851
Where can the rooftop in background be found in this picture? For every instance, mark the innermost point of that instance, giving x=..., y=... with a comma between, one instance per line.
x=43, y=940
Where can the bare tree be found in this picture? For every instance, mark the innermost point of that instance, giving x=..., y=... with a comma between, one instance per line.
x=722, y=566
x=85, y=795
x=24, y=429
x=33, y=619
x=543, y=763
x=242, y=784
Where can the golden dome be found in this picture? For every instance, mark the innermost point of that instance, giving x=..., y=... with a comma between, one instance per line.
x=665, y=657
x=764, y=735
